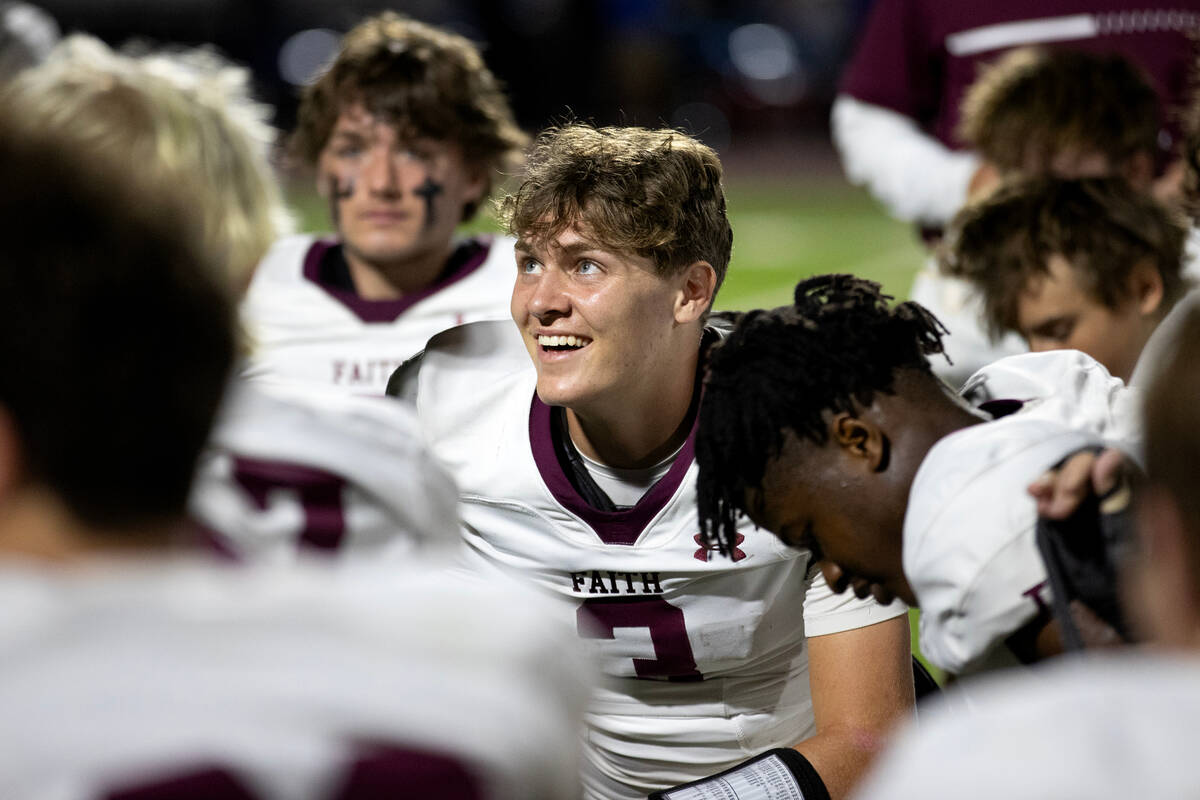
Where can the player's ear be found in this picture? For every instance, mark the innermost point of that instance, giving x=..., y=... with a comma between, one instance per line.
x=861, y=440
x=697, y=285
x=1146, y=286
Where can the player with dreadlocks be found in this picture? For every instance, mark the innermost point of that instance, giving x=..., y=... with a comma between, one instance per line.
x=811, y=409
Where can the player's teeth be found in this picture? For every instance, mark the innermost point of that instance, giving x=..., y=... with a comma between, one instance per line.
x=571, y=341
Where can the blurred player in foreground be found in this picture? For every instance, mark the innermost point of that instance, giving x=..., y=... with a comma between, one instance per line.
x=1092, y=265
x=406, y=130
x=810, y=408
x=285, y=472
x=577, y=472
x=1115, y=726
x=171, y=674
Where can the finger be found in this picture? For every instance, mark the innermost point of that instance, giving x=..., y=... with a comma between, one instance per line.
x=1106, y=471
x=1071, y=485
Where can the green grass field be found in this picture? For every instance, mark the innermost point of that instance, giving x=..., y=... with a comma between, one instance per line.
x=782, y=232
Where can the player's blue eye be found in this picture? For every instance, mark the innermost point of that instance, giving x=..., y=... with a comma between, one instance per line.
x=588, y=268
x=530, y=266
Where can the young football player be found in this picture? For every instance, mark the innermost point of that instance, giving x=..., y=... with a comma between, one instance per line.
x=286, y=471
x=1091, y=264
x=896, y=120
x=810, y=408
x=571, y=437
x=406, y=131
x=1105, y=727
x=137, y=668
x=1061, y=112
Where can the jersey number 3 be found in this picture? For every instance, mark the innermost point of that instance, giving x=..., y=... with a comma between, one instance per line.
x=598, y=618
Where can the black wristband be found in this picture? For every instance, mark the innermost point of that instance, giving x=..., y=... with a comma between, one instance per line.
x=779, y=774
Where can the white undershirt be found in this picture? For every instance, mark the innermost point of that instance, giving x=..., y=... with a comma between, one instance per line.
x=626, y=486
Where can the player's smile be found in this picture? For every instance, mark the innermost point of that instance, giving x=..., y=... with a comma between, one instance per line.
x=558, y=346
x=596, y=322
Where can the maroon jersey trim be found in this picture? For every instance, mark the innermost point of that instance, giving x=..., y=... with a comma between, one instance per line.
x=613, y=527
x=475, y=251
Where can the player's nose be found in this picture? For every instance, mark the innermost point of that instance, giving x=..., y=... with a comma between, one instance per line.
x=548, y=297
x=381, y=172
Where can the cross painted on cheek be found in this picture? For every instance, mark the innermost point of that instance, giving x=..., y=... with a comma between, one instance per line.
x=428, y=191
x=338, y=189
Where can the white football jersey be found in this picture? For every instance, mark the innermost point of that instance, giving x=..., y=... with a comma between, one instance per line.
x=705, y=656
x=188, y=679
x=1097, y=728
x=970, y=552
x=1065, y=386
x=290, y=470
x=304, y=330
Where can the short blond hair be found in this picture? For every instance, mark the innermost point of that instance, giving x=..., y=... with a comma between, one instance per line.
x=656, y=193
x=176, y=122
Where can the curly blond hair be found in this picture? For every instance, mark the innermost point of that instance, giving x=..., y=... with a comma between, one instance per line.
x=175, y=123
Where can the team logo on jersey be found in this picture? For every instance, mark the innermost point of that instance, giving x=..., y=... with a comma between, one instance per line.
x=707, y=550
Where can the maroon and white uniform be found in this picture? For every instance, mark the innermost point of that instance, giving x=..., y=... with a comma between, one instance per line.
x=308, y=327
x=896, y=117
x=970, y=552
x=188, y=680
x=705, y=656
x=290, y=470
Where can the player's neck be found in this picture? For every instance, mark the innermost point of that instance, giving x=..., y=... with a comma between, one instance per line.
x=378, y=280
x=36, y=526
x=638, y=432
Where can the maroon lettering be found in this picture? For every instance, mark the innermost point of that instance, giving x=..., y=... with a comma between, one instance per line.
x=384, y=772
x=708, y=549
x=1034, y=593
x=201, y=783
x=319, y=494
x=673, y=659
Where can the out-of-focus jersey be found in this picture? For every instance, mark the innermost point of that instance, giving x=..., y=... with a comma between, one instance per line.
x=1108, y=727
x=290, y=470
x=705, y=656
x=305, y=330
x=970, y=551
x=310, y=682
x=918, y=57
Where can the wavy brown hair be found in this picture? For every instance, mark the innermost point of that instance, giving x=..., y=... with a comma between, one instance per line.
x=1102, y=226
x=1033, y=104
x=655, y=193
x=426, y=81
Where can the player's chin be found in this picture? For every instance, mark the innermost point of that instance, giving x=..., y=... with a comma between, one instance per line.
x=557, y=391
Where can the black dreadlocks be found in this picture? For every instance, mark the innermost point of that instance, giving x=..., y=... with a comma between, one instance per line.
x=782, y=369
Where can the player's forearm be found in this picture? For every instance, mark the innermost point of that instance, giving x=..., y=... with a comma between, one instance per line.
x=917, y=177
x=841, y=756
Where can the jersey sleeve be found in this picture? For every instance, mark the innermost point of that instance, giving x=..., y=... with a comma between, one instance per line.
x=970, y=553
x=826, y=612
x=916, y=177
